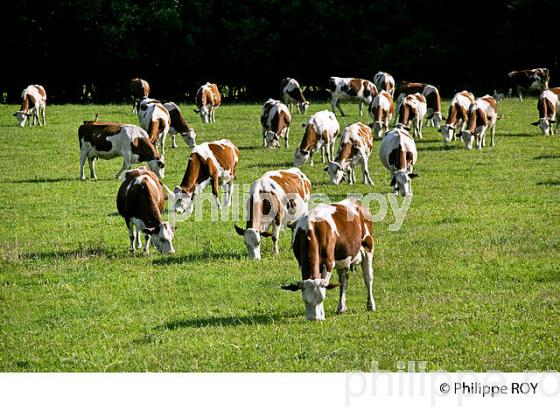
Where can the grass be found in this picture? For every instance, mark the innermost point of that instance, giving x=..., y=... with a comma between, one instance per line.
x=470, y=282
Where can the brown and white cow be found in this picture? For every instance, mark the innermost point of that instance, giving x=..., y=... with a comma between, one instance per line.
x=549, y=111
x=275, y=122
x=291, y=94
x=140, y=202
x=107, y=140
x=208, y=99
x=433, y=100
x=179, y=126
x=320, y=134
x=523, y=81
x=482, y=115
x=355, y=148
x=412, y=109
x=33, y=104
x=381, y=111
x=332, y=236
x=278, y=198
x=343, y=89
x=398, y=154
x=138, y=89
x=384, y=81
x=458, y=115
x=155, y=119
x=209, y=163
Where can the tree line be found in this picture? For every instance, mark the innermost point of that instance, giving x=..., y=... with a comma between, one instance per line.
x=88, y=50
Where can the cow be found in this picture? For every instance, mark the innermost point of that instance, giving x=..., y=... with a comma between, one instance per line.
x=433, y=100
x=140, y=202
x=208, y=99
x=332, y=236
x=384, y=82
x=320, y=134
x=381, y=111
x=355, y=148
x=524, y=80
x=549, y=111
x=179, y=126
x=107, y=140
x=482, y=115
x=457, y=116
x=412, y=109
x=138, y=89
x=398, y=154
x=33, y=104
x=291, y=94
x=209, y=163
x=278, y=198
x=275, y=122
x=155, y=119
x=342, y=89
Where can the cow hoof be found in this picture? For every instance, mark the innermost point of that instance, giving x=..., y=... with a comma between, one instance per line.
x=371, y=307
x=340, y=310
x=82, y=178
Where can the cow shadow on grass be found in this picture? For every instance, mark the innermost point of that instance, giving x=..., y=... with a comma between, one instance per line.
x=68, y=254
x=260, y=319
x=198, y=257
x=440, y=147
x=40, y=180
x=547, y=156
x=550, y=182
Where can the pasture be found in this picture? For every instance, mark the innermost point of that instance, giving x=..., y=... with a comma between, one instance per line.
x=471, y=281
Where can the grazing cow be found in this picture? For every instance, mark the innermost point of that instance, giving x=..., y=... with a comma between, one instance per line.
x=179, y=126
x=332, y=236
x=412, y=109
x=384, y=81
x=549, y=111
x=458, y=115
x=155, y=119
x=381, y=111
x=291, y=94
x=279, y=198
x=108, y=140
x=208, y=98
x=482, y=115
x=355, y=148
x=33, y=104
x=433, y=100
x=138, y=89
x=525, y=80
x=275, y=121
x=342, y=89
x=398, y=154
x=140, y=202
x=209, y=163
x=320, y=134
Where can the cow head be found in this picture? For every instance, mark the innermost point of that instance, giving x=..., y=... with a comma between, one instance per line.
x=158, y=166
x=183, y=202
x=468, y=139
x=21, y=116
x=313, y=294
x=204, y=113
x=272, y=139
x=437, y=118
x=252, y=239
x=545, y=125
x=447, y=131
x=336, y=172
x=302, y=107
x=402, y=182
x=378, y=127
x=190, y=137
x=162, y=237
x=300, y=157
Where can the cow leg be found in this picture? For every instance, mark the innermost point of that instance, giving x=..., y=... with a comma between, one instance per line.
x=323, y=148
x=367, y=270
x=91, y=163
x=127, y=164
x=418, y=127
x=360, y=107
x=131, y=234
x=343, y=281
x=228, y=189
x=365, y=170
x=275, y=235
x=44, y=115
x=492, y=133
x=83, y=156
x=519, y=94
x=339, y=108
x=286, y=135
x=147, y=238
x=162, y=142
x=215, y=192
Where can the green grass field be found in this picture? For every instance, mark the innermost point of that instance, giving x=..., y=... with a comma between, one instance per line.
x=470, y=282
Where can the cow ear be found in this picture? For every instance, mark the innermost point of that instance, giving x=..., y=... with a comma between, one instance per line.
x=240, y=231
x=533, y=123
x=15, y=114
x=303, y=125
x=266, y=234
x=332, y=285
x=412, y=175
x=149, y=231
x=393, y=181
x=552, y=121
x=326, y=169
x=292, y=286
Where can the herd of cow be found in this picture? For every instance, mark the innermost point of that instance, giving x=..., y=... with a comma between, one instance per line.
x=329, y=236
